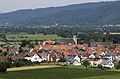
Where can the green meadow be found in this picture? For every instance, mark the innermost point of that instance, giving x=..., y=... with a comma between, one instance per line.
x=62, y=73
x=19, y=37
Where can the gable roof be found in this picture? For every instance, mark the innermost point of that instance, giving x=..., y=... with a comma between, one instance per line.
x=109, y=53
x=90, y=50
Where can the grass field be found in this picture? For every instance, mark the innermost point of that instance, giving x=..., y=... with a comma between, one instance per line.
x=32, y=37
x=62, y=73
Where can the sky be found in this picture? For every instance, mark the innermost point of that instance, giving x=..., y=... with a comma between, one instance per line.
x=12, y=5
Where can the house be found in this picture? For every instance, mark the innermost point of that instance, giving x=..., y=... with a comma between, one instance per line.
x=118, y=58
x=16, y=57
x=92, y=56
x=34, y=58
x=54, y=55
x=89, y=54
x=103, y=62
x=110, y=55
x=90, y=50
x=107, y=63
x=45, y=54
x=95, y=62
x=100, y=50
x=12, y=49
x=73, y=60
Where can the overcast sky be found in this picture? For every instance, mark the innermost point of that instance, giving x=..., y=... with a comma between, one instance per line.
x=11, y=5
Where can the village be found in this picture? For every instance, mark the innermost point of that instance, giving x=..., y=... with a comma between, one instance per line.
x=68, y=52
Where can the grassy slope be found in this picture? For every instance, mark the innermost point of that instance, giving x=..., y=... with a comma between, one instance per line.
x=62, y=73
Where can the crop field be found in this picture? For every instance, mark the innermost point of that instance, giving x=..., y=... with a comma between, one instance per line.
x=62, y=73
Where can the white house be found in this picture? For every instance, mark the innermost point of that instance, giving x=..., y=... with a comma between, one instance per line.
x=77, y=62
x=107, y=63
x=92, y=56
x=73, y=60
x=103, y=62
x=95, y=63
x=34, y=58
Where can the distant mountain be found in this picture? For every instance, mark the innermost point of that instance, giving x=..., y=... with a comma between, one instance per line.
x=79, y=14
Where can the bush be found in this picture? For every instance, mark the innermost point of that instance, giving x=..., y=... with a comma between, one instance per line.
x=3, y=67
x=25, y=42
x=86, y=63
x=62, y=60
x=22, y=62
x=8, y=64
x=100, y=66
x=18, y=63
x=117, y=66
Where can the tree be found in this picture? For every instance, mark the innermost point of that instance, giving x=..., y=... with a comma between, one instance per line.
x=8, y=63
x=3, y=67
x=25, y=42
x=117, y=66
x=18, y=63
x=86, y=63
x=100, y=66
x=0, y=51
x=3, y=53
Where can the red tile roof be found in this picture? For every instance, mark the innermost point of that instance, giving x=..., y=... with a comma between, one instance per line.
x=89, y=50
x=56, y=47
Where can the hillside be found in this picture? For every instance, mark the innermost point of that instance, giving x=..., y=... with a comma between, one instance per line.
x=79, y=14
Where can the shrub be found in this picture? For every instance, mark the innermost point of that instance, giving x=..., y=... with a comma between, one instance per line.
x=18, y=63
x=100, y=66
x=117, y=66
x=25, y=42
x=3, y=67
x=62, y=60
x=86, y=63
x=22, y=62
x=8, y=64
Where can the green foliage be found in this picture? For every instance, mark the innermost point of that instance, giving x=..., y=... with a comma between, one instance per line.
x=25, y=42
x=3, y=54
x=0, y=51
x=32, y=37
x=8, y=63
x=22, y=62
x=3, y=67
x=18, y=63
x=62, y=60
x=100, y=66
x=86, y=63
x=117, y=66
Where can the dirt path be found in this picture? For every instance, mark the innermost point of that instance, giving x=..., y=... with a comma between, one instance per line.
x=31, y=67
